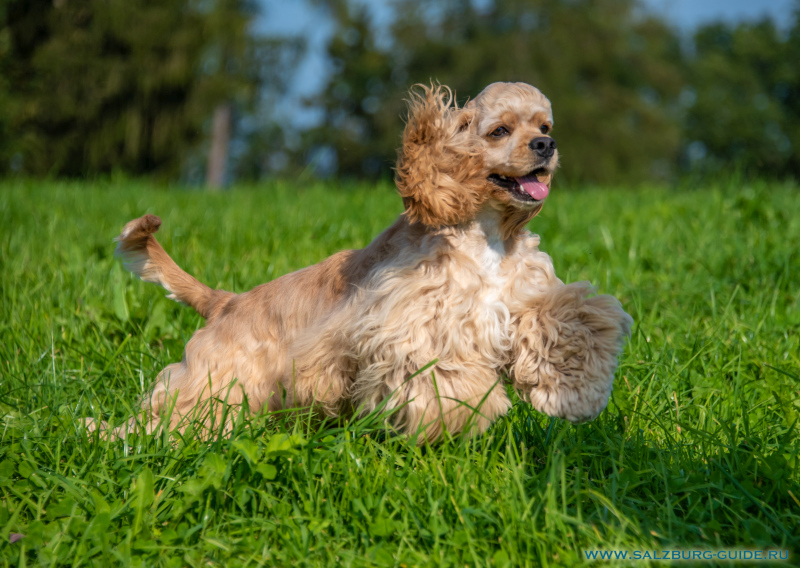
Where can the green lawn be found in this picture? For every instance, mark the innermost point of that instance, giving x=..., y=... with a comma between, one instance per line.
x=698, y=448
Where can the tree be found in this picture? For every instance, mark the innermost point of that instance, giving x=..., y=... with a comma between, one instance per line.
x=93, y=86
x=249, y=74
x=613, y=76
x=354, y=102
x=234, y=71
x=743, y=111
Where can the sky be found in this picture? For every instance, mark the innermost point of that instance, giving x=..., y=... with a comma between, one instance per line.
x=308, y=20
x=688, y=14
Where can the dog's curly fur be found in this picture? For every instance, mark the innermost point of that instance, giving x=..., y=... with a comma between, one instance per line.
x=456, y=280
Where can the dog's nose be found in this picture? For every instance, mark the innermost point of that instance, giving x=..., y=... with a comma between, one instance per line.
x=544, y=146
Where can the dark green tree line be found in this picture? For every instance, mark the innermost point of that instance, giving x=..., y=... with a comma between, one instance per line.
x=613, y=78
x=91, y=86
x=630, y=102
x=744, y=109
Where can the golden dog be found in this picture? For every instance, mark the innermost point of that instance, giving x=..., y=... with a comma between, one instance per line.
x=456, y=280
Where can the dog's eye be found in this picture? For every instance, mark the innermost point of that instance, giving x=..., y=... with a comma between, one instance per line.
x=545, y=129
x=499, y=131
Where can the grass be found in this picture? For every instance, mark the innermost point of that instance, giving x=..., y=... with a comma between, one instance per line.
x=698, y=448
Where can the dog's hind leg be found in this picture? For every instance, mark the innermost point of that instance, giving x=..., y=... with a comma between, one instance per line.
x=565, y=351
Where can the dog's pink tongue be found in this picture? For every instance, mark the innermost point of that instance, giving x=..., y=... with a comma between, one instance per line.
x=533, y=187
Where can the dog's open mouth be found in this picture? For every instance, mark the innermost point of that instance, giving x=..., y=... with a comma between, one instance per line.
x=532, y=187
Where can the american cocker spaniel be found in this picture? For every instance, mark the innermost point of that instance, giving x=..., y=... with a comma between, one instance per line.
x=457, y=280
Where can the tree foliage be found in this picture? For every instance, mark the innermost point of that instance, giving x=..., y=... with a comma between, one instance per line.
x=92, y=86
x=632, y=99
x=744, y=109
x=613, y=77
x=361, y=114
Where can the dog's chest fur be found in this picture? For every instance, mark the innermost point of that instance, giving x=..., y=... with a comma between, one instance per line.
x=482, y=243
x=451, y=299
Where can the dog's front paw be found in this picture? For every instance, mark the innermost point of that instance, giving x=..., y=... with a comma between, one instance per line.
x=567, y=349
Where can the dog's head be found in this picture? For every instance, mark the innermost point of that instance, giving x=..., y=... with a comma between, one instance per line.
x=496, y=150
x=515, y=120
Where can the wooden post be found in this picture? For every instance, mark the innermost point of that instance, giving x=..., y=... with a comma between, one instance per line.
x=218, y=154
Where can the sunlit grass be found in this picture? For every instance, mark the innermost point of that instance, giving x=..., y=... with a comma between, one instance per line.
x=698, y=448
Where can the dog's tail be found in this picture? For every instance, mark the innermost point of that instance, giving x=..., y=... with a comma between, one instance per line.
x=142, y=255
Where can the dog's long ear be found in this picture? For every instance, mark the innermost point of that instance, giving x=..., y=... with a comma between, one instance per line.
x=439, y=169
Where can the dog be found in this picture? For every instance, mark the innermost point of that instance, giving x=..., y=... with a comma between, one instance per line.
x=433, y=318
